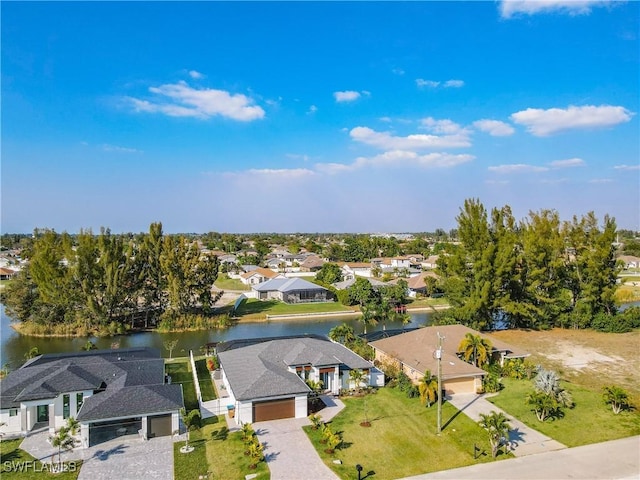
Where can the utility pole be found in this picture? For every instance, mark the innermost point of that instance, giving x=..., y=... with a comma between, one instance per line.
x=439, y=358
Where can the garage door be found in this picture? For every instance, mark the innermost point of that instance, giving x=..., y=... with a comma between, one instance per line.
x=159, y=426
x=274, y=409
x=461, y=385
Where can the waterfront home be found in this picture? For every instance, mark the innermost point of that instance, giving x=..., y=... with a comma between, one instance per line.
x=414, y=353
x=291, y=290
x=109, y=392
x=265, y=377
x=258, y=275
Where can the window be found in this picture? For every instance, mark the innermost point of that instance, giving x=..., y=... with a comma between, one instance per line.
x=65, y=406
x=13, y=412
x=80, y=399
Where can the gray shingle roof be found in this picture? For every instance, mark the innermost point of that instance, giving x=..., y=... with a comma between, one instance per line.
x=285, y=285
x=261, y=369
x=116, y=371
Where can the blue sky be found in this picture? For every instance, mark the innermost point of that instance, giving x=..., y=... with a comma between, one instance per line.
x=316, y=117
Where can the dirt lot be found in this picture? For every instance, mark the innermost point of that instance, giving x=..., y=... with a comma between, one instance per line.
x=592, y=359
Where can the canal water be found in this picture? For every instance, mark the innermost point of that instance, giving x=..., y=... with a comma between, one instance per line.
x=13, y=346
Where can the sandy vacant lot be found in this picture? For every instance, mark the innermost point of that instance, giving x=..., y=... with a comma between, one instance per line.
x=589, y=358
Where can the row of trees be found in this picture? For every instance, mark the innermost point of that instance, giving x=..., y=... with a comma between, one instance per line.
x=102, y=280
x=536, y=273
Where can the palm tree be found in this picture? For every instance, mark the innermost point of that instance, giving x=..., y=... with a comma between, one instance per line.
x=428, y=388
x=32, y=353
x=476, y=348
x=617, y=398
x=343, y=334
x=543, y=404
x=63, y=440
x=498, y=427
x=358, y=377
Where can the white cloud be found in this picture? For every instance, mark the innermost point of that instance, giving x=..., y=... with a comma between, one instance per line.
x=398, y=158
x=274, y=173
x=454, y=84
x=627, y=167
x=312, y=109
x=446, y=126
x=181, y=100
x=297, y=156
x=386, y=141
x=115, y=148
x=495, y=128
x=509, y=8
x=517, y=168
x=195, y=74
x=601, y=180
x=385, y=119
x=568, y=163
x=426, y=83
x=346, y=96
x=398, y=71
x=541, y=122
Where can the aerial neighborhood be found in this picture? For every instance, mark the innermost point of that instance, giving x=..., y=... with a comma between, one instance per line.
x=376, y=354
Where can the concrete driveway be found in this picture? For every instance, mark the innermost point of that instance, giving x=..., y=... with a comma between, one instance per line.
x=129, y=458
x=523, y=440
x=288, y=451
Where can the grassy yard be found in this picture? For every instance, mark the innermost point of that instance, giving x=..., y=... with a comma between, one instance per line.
x=223, y=282
x=217, y=452
x=253, y=309
x=180, y=372
x=206, y=383
x=12, y=458
x=402, y=439
x=427, y=302
x=590, y=421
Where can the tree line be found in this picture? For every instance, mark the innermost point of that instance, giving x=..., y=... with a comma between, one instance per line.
x=111, y=282
x=536, y=273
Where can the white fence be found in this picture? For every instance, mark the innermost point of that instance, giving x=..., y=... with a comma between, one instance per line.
x=195, y=376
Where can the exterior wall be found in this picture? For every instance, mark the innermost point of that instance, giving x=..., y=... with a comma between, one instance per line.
x=244, y=412
x=376, y=378
x=301, y=406
x=11, y=424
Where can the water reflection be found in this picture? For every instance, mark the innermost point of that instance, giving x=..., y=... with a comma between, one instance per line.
x=13, y=346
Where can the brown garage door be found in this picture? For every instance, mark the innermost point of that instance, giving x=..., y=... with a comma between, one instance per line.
x=274, y=409
x=159, y=426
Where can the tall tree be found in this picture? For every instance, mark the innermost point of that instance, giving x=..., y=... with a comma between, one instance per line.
x=428, y=388
x=497, y=425
x=475, y=348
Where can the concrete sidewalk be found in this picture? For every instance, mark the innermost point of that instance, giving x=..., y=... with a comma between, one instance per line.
x=523, y=440
x=614, y=460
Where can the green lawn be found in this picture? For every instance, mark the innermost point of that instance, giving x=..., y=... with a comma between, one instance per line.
x=12, y=458
x=427, y=302
x=222, y=456
x=180, y=372
x=590, y=421
x=257, y=309
x=223, y=282
x=206, y=383
x=402, y=439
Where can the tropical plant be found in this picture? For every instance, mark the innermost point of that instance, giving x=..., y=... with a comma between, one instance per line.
x=256, y=453
x=247, y=431
x=548, y=381
x=333, y=441
x=343, y=334
x=89, y=346
x=475, y=348
x=617, y=398
x=491, y=383
x=62, y=440
x=544, y=405
x=32, y=353
x=428, y=388
x=192, y=421
x=171, y=345
x=316, y=421
x=314, y=385
x=326, y=432
x=357, y=377
x=497, y=426
x=73, y=425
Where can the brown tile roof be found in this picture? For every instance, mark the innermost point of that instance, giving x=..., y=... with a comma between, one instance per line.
x=265, y=272
x=355, y=264
x=312, y=261
x=416, y=349
x=417, y=282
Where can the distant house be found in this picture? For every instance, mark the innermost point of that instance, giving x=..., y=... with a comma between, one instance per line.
x=413, y=353
x=7, y=273
x=312, y=263
x=110, y=392
x=344, y=284
x=417, y=285
x=353, y=269
x=258, y=275
x=629, y=261
x=291, y=290
x=430, y=262
x=265, y=378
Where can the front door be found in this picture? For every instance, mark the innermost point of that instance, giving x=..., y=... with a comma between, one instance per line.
x=43, y=413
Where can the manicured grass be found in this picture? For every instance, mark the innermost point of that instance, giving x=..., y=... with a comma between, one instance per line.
x=220, y=455
x=402, y=439
x=12, y=458
x=180, y=372
x=590, y=421
x=223, y=282
x=427, y=302
x=257, y=309
x=204, y=377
